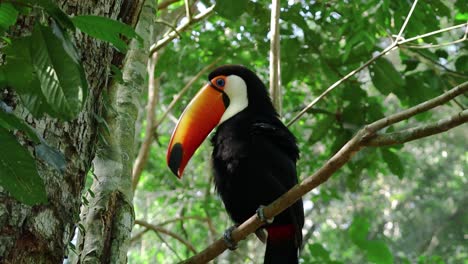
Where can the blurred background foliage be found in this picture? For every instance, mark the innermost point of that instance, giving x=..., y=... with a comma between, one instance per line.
x=404, y=204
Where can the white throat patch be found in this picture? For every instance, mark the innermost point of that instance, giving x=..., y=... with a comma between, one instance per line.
x=236, y=90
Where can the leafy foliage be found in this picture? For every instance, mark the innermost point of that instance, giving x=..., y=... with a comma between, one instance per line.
x=45, y=70
x=18, y=173
x=386, y=205
x=105, y=29
x=321, y=41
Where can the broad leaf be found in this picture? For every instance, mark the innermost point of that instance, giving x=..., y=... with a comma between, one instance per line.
x=422, y=86
x=378, y=252
x=8, y=15
x=18, y=173
x=230, y=9
x=58, y=70
x=11, y=122
x=319, y=252
x=54, y=11
x=386, y=78
x=358, y=231
x=106, y=29
x=321, y=128
x=462, y=64
x=20, y=75
x=393, y=161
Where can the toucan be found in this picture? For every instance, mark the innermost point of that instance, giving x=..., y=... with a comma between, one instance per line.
x=254, y=155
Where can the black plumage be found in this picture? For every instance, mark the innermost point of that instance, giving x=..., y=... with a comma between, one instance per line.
x=254, y=160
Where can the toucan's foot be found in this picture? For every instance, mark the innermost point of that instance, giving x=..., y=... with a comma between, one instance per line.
x=262, y=217
x=230, y=243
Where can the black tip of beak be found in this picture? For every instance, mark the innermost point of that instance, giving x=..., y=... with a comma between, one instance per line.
x=176, y=158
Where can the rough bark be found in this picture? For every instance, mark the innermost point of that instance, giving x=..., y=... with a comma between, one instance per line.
x=108, y=218
x=40, y=234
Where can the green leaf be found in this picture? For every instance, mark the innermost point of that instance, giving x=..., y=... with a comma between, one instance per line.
x=411, y=64
x=59, y=72
x=11, y=122
x=18, y=173
x=230, y=9
x=422, y=86
x=378, y=252
x=385, y=77
x=117, y=74
x=461, y=6
x=319, y=252
x=461, y=16
x=358, y=231
x=462, y=64
x=8, y=16
x=54, y=11
x=106, y=29
x=20, y=75
x=393, y=161
x=321, y=128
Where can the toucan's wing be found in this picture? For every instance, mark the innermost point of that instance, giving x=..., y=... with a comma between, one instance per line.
x=275, y=152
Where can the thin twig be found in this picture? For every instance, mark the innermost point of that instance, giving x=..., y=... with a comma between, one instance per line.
x=431, y=46
x=322, y=175
x=422, y=107
x=402, y=29
x=165, y=4
x=432, y=33
x=340, y=81
x=162, y=230
x=435, y=62
x=153, y=91
x=161, y=43
x=169, y=25
x=177, y=219
x=138, y=236
x=394, y=44
x=414, y=133
x=188, y=14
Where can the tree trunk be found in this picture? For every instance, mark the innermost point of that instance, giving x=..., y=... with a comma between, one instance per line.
x=41, y=234
x=108, y=219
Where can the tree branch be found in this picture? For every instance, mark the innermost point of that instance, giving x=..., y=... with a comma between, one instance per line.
x=414, y=133
x=172, y=35
x=275, y=80
x=165, y=4
x=162, y=230
x=432, y=33
x=153, y=91
x=432, y=46
x=395, y=44
x=402, y=29
x=422, y=107
x=358, y=142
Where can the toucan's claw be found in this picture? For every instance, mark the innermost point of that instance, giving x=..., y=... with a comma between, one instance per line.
x=230, y=243
x=262, y=217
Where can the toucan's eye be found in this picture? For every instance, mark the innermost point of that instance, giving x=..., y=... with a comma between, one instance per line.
x=220, y=82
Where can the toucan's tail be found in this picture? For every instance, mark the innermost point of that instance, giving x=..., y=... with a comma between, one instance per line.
x=282, y=245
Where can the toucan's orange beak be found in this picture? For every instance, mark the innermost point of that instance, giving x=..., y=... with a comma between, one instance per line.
x=198, y=119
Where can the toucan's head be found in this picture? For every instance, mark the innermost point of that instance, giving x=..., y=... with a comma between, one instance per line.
x=230, y=90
